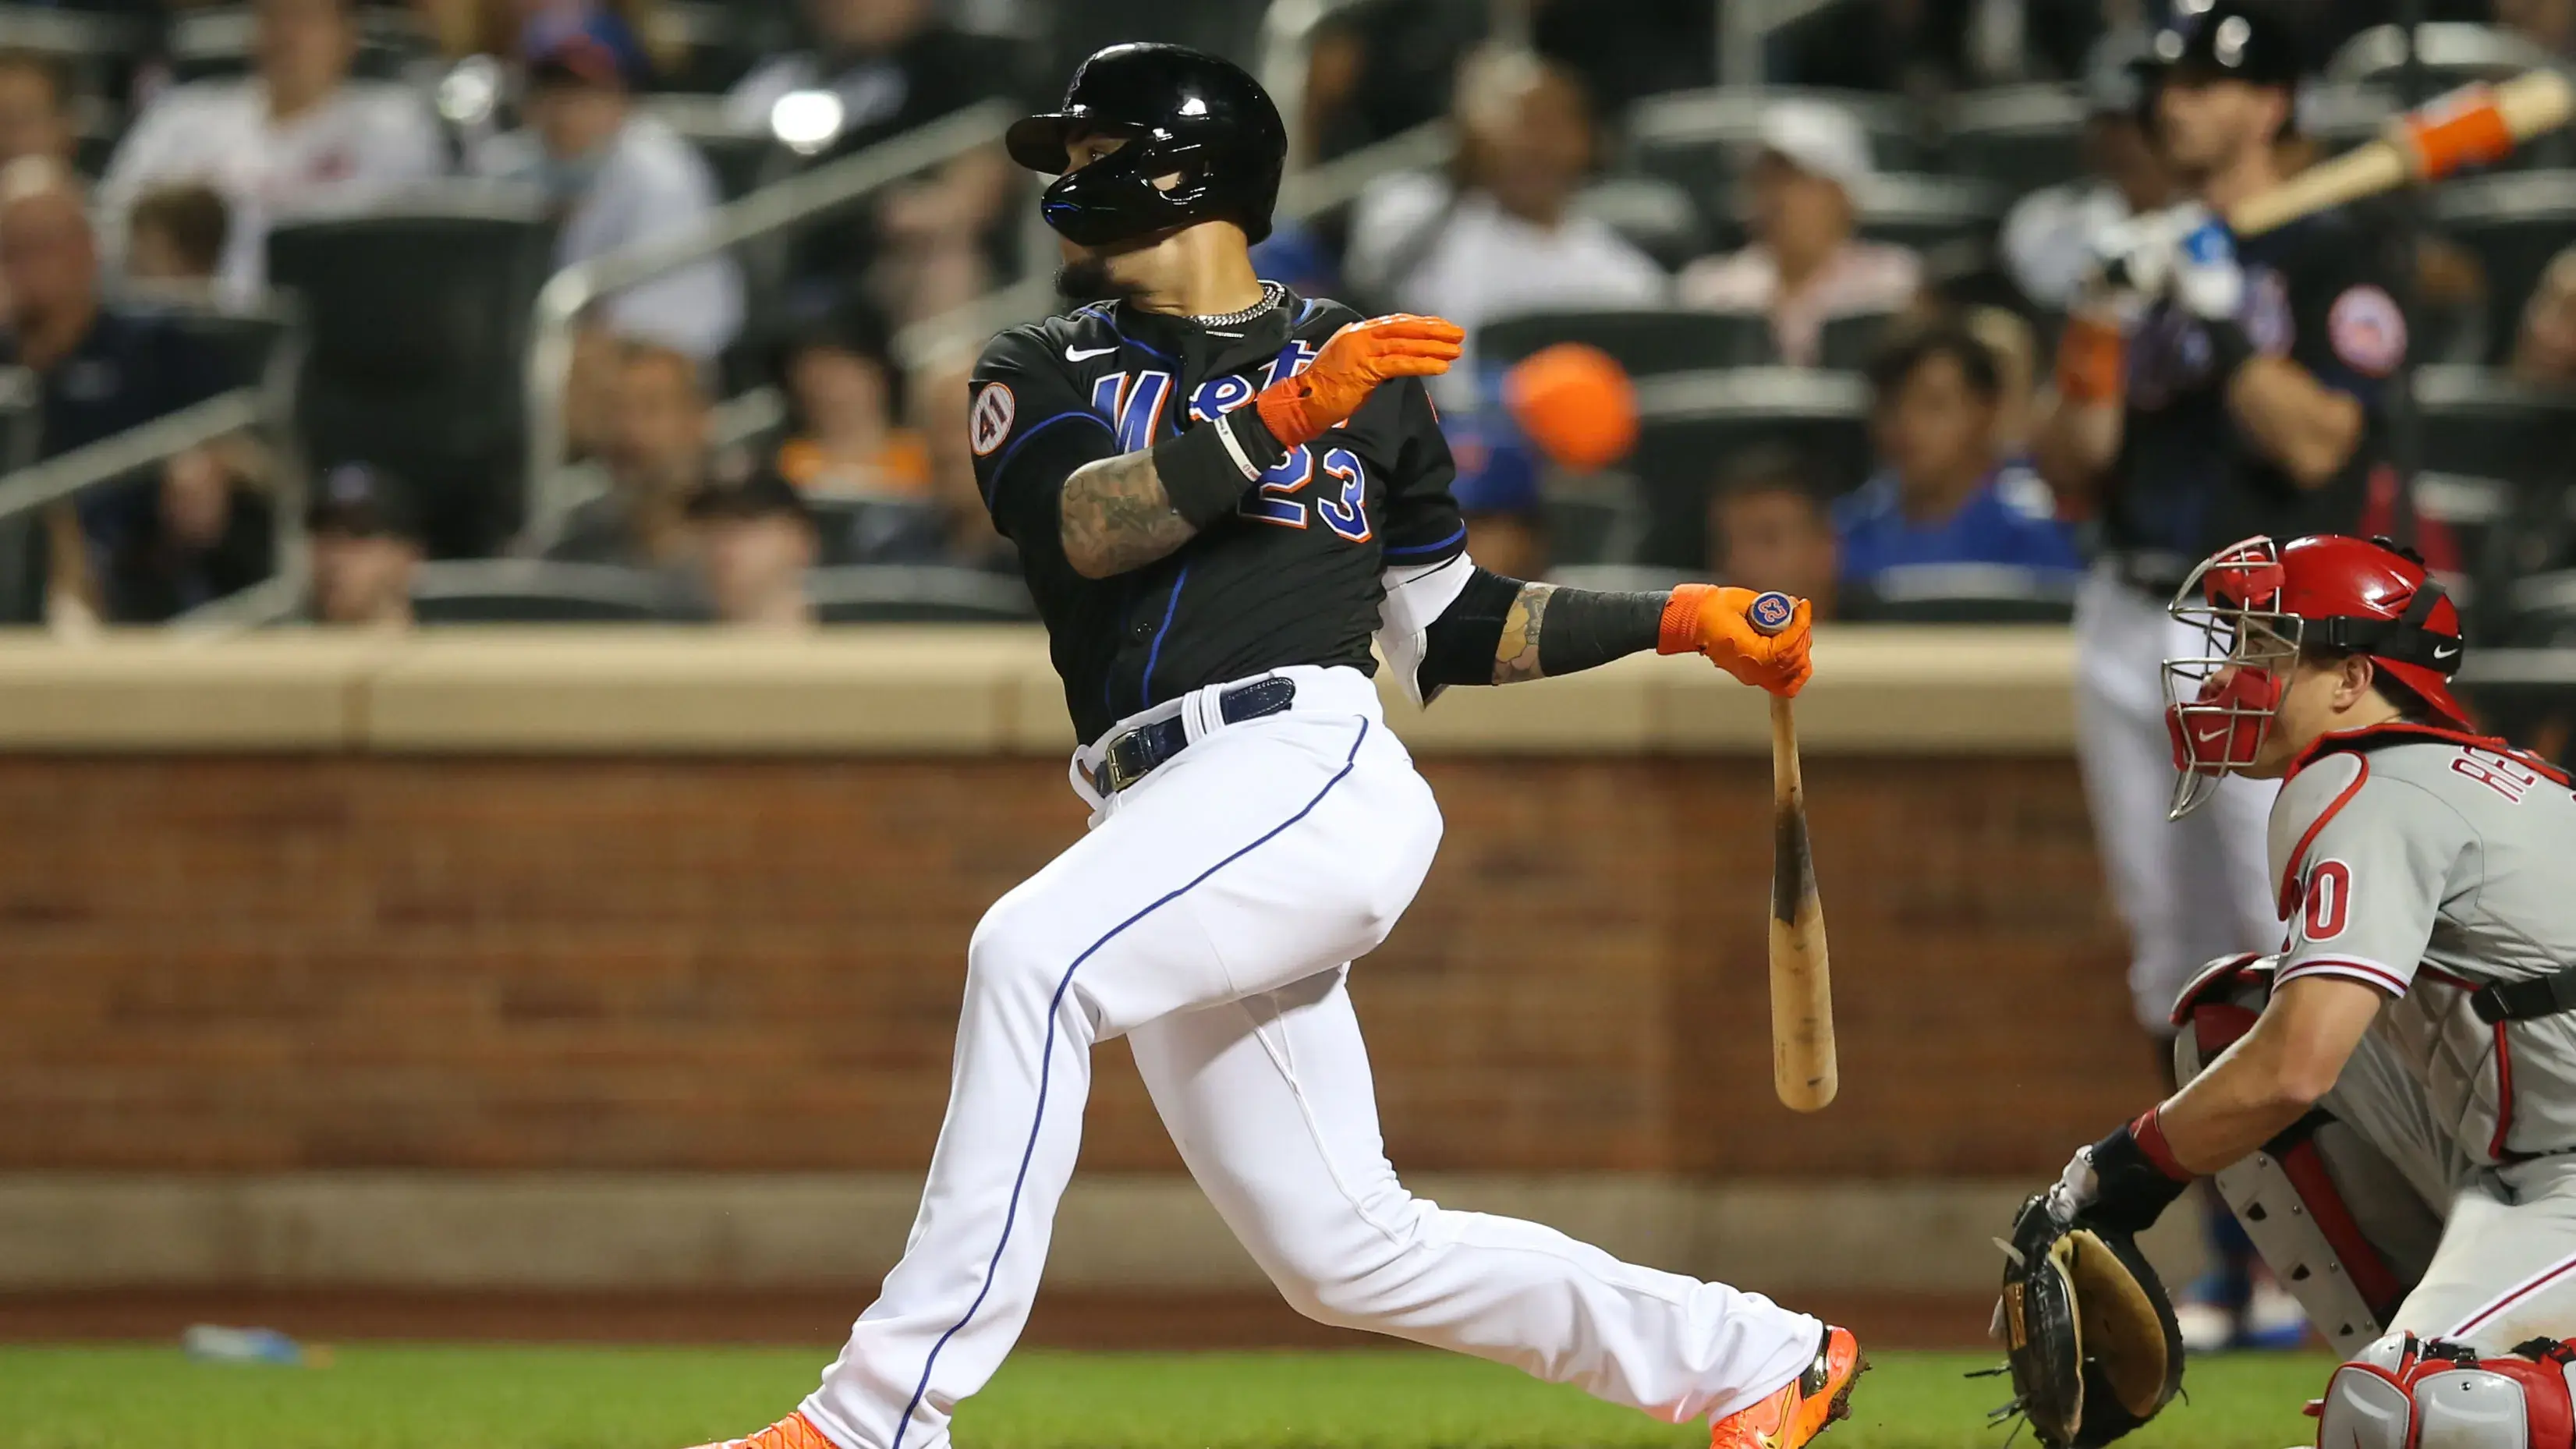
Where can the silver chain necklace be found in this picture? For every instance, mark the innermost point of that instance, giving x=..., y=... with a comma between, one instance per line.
x=1271, y=293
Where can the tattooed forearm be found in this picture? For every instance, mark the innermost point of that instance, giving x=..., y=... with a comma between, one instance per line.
x=1516, y=656
x=1116, y=516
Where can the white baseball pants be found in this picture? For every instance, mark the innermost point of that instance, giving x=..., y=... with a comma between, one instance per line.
x=1210, y=916
x=2504, y=1270
x=2189, y=889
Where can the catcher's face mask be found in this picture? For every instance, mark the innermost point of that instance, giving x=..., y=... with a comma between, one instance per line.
x=2221, y=700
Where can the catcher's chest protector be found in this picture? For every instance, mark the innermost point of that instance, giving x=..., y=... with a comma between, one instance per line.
x=2440, y=1396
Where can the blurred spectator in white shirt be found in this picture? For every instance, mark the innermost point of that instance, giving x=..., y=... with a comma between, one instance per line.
x=618, y=176
x=755, y=542
x=1805, y=267
x=2049, y=235
x=1499, y=236
x=294, y=138
x=35, y=108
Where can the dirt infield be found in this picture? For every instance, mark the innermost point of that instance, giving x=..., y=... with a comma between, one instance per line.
x=1063, y=1320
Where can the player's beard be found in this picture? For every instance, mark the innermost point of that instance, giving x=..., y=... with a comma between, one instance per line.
x=1088, y=279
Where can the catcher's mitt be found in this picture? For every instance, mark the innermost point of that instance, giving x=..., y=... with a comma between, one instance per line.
x=2093, y=1348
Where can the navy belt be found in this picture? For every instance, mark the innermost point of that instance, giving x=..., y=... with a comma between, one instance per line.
x=2526, y=1000
x=1131, y=756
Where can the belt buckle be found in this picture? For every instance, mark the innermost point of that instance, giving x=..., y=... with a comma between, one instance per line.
x=1117, y=769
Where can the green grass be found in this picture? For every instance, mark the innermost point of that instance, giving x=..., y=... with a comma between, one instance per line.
x=568, y=1398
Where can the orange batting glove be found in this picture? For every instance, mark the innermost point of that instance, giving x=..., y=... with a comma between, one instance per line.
x=1706, y=619
x=1354, y=361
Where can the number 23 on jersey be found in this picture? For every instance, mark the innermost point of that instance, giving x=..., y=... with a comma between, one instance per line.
x=1287, y=496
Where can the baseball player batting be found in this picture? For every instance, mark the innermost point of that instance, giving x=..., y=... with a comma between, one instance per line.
x=1222, y=491
x=2388, y=1103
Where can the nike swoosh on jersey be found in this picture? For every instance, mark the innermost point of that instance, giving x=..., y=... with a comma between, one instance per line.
x=2441, y=653
x=1085, y=354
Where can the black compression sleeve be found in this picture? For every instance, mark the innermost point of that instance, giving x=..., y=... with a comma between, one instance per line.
x=1459, y=646
x=1579, y=629
x=1583, y=629
x=1200, y=475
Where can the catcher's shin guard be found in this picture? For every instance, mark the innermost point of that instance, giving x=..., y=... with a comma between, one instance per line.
x=2298, y=1197
x=2407, y=1393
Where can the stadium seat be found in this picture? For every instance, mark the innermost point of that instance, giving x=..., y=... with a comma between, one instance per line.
x=1645, y=343
x=743, y=160
x=2341, y=116
x=1618, y=578
x=1699, y=140
x=916, y=594
x=534, y=591
x=418, y=322
x=2489, y=424
x=2513, y=223
x=1599, y=523
x=247, y=344
x=1963, y=593
x=2019, y=138
x=1930, y=213
x=852, y=528
x=2473, y=511
x=22, y=539
x=1654, y=216
x=208, y=41
x=99, y=48
x=2451, y=52
x=1848, y=343
x=2544, y=610
x=709, y=46
x=1691, y=423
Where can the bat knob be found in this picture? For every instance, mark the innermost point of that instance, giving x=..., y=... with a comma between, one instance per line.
x=1770, y=612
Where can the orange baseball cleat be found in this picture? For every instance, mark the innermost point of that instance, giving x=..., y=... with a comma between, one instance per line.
x=793, y=1432
x=1804, y=1407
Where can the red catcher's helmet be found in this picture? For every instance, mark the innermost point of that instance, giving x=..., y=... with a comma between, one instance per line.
x=2257, y=603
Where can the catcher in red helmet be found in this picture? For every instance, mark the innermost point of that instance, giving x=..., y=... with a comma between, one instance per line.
x=2388, y=1103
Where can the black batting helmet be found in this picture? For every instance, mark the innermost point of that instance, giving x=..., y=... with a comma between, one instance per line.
x=1182, y=111
x=2229, y=39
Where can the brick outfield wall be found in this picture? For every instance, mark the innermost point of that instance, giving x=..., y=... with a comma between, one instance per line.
x=357, y=962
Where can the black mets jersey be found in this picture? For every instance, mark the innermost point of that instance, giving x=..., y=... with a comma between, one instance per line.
x=1291, y=577
x=2188, y=481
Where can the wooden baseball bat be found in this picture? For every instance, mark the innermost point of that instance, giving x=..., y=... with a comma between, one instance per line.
x=2466, y=127
x=1804, y=1071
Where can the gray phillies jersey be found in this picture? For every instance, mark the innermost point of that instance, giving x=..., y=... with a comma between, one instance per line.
x=2428, y=864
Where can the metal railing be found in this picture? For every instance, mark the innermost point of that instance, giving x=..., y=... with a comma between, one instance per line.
x=772, y=208
x=55, y=479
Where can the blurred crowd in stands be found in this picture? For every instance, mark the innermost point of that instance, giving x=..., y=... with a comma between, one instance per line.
x=1830, y=295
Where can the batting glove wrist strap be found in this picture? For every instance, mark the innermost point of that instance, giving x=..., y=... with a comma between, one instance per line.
x=1678, y=630
x=2135, y=1187
x=1206, y=470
